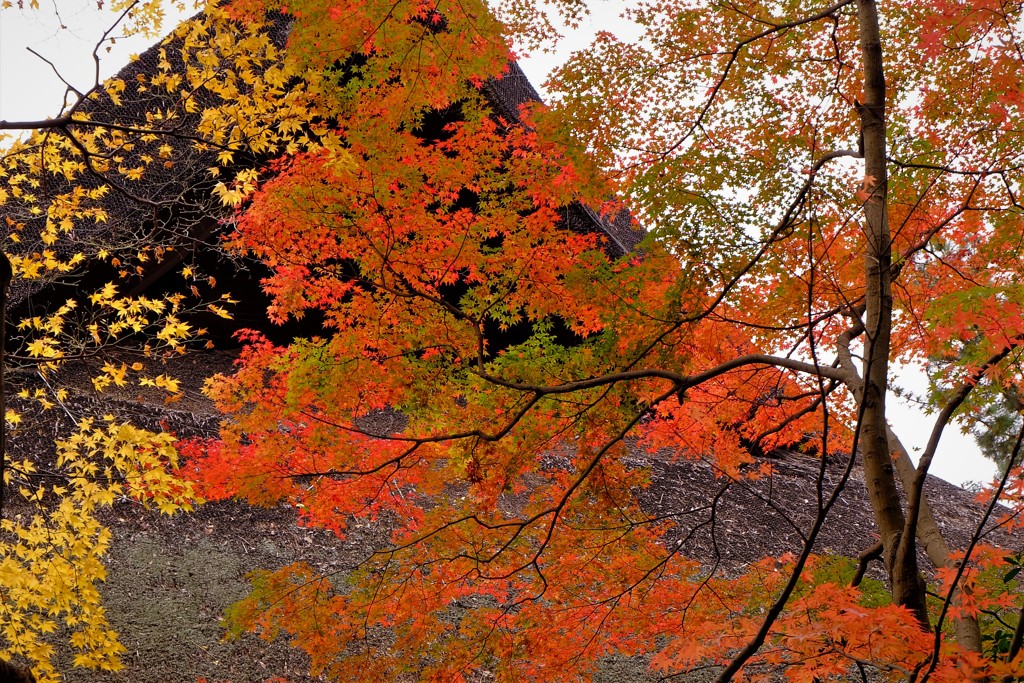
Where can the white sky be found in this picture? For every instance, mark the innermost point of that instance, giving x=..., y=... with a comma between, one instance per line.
x=29, y=90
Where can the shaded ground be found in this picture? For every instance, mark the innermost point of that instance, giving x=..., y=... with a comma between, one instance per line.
x=170, y=581
x=171, y=578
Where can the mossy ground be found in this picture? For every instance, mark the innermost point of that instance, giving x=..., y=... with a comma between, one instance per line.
x=170, y=580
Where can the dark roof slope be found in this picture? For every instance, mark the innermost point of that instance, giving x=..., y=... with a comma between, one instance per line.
x=507, y=94
x=170, y=204
x=167, y=204
x=765, y=517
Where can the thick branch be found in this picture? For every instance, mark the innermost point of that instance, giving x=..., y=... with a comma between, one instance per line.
x=863, y=560
x=845, y=357
x=68, y=121
x=683, y=382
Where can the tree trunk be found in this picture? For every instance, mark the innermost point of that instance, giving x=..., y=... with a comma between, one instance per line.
x=968, y=632
x=900, y=553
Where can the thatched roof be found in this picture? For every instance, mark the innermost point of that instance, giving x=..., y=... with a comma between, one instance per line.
x=171, y=578
x=762, y=517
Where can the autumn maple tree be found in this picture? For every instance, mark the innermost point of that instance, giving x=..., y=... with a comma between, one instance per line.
x=824, y=189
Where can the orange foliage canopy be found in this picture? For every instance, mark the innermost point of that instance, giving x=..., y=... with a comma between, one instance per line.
x=486, y=377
